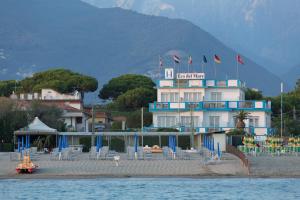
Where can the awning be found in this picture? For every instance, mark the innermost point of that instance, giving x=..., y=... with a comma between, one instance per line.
x=37, y=127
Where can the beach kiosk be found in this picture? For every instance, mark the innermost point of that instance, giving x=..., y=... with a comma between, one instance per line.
x=35, y=128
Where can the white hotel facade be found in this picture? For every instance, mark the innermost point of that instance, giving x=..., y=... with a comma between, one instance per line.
x=188, y=101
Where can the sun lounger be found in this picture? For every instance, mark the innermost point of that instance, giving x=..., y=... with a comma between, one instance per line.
x=54, y=155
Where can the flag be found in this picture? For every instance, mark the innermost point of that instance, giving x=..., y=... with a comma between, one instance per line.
x=190, y=60
x=176, y=59
x=239, y=59
x=160, y=62
x=204, y=59
x=217, y=59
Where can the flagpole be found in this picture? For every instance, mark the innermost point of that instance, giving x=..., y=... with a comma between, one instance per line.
x=237, y=69
x=159, y=67
x=215, y=70
x=177, y=80
x=202, y=66
x=281, y=113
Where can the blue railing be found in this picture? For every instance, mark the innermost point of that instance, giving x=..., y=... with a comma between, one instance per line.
x=210, y=105
x=206, y=83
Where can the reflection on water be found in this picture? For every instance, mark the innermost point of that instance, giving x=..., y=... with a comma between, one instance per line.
x=151, y=188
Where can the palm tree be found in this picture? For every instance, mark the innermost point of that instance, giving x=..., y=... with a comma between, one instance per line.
x=241, y=116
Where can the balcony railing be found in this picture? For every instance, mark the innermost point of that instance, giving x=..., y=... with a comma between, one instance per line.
x=199, y=83
x=210, y=105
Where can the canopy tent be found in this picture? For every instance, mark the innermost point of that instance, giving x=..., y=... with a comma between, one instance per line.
x=36, y=127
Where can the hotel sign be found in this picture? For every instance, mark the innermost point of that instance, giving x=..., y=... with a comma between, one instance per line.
x=190, y=76
x=169, y=73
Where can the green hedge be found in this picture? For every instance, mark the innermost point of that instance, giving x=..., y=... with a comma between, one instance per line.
x=6, y=147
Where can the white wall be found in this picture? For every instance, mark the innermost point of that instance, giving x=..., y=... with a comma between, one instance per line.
x=221, y=139
x=228, y=94
x=175, y=114
x=181, y=91
x=225, y=118
x=263, y=117
x=50, y=94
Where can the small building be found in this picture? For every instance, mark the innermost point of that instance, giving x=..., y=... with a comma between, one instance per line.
x=102, y=120
x=74, y=115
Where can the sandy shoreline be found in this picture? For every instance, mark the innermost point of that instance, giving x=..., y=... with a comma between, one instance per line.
x=104, y=176
x=229, y=167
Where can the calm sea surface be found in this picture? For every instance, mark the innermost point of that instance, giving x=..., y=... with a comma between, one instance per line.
x=151, y=188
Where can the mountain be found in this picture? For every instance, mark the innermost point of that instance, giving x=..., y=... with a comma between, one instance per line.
x=292, y=75
x=38, y=35
x=265, y=30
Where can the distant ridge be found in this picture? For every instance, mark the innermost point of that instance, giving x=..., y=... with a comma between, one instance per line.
x=36, y=35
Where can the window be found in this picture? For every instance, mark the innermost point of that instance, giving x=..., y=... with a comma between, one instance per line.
x=216, y=96
x=186, y=121
x=214, y=121
x=166, y=121
x=164, y=97
x=169, y=97
x=78, y=120
x=173, y=97
x=253, y=121
x=192, y=96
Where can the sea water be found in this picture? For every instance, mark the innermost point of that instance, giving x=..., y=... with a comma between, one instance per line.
x=151, y=188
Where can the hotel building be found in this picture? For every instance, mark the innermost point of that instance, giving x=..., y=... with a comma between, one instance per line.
x=188, y=101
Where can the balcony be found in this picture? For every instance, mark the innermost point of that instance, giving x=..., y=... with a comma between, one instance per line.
x=210, y=106
x=200, y=83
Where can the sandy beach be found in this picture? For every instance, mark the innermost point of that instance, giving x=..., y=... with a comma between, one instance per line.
x=82, y=167
x=85, y=168
x=276, y=166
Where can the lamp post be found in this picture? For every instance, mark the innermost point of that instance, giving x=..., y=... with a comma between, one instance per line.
x=142, y=125
x=93, y=127
x=281, y=114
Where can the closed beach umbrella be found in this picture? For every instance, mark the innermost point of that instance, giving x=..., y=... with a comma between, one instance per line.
x=174, y=143
x=219, y=154
x=100, y=141
x=170, y=142
x=135, y=143
x=59, y=143
x=28, y=141
x=135, y=146
x=18, y=144
x=66, y=142
x=22, y=142
x=63, y=142
x=97, y=143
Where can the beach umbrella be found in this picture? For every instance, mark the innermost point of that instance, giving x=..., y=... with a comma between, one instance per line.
x=97, y=143
x=28, y=141
x=22, y=143
x=135, y=146
x=208, y=143
x=135, y=142
x=59, y=143
x=219, y=153
x=174, y=143
x=63, y=142
x=213, y=144
x=18, y=144
x=66, y=141
x=100, y=141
